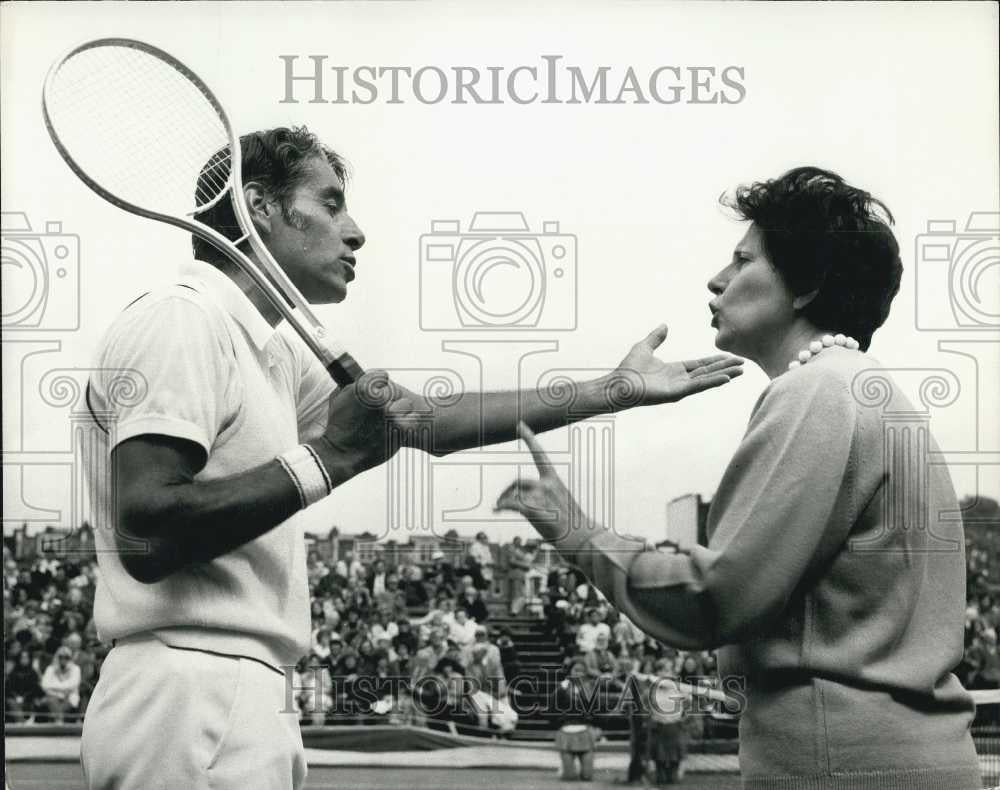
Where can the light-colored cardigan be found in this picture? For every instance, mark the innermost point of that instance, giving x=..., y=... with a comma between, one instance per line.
x=833, y=579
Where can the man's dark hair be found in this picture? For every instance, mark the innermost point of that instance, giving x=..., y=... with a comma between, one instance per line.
x=822, y=234
x=274, y=158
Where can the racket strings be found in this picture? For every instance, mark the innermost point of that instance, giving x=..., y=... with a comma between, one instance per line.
x=140, y=128
x=214, y=177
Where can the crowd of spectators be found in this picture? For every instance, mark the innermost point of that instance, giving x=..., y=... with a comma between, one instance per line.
x=980, y=666
x=591, y=631
x=52, y=654
x=385, y=634
x=372, y=625
x=606, y=647
x=380, y=630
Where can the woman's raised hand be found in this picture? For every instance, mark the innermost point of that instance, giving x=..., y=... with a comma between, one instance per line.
x=545, y=502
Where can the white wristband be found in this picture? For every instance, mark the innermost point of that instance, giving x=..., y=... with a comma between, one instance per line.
x=307, y=472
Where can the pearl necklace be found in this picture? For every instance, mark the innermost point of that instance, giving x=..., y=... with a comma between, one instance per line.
x=818, y=345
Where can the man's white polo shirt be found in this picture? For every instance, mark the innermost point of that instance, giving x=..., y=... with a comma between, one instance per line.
x=198, y=362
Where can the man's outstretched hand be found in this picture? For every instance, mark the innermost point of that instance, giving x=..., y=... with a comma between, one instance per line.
x=643, y=379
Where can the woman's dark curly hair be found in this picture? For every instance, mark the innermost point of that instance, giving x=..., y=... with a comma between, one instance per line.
x=821, y=234
x=274, y=158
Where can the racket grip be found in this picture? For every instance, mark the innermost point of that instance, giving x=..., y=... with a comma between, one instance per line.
x=344, y=370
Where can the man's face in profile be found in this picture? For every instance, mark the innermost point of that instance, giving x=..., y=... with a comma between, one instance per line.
x=313, y=237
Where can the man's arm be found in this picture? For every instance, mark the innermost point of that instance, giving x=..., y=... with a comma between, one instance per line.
x=181, y=521
x=190, y=392
x=476, y=419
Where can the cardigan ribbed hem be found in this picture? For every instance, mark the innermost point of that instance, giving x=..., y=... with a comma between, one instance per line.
x=961, y=777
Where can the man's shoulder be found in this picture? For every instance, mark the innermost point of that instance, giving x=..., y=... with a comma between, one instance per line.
x=178, y=305
x=184, y=289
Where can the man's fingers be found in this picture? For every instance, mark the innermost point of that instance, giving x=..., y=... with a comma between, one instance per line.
x=727, y=366
x=694, y=364
x=400, y=407
x=545, y=468
x=730, y=369
x=375, y=389
x=716, y=361
x=655, y=339
x=375, y=378
x=702, y=383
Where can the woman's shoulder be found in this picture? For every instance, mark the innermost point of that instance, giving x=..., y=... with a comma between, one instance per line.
x=833, y=373
x=838, y=386
x=824, y=387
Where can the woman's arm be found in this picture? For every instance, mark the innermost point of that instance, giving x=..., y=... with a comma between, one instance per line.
x=785, y=503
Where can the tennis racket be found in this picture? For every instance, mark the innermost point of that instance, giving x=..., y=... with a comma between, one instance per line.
x=143, y=131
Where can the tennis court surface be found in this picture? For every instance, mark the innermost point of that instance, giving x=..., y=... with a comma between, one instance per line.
x=67, y=776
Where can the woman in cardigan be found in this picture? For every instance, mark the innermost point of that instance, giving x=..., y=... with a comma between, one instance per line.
x=833, y=581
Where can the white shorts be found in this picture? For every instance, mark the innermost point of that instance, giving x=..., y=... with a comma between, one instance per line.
x=163, y=718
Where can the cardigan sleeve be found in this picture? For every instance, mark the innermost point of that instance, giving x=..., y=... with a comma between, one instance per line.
x=777, y=512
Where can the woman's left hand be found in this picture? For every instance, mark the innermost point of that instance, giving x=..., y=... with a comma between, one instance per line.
x=545, y=502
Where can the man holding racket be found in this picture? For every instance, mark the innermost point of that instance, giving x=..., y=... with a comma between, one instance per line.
x=235, y=428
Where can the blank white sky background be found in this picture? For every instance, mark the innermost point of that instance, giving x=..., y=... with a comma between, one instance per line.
x=898, y=98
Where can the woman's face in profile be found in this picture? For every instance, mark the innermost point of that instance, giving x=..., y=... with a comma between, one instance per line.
x=752, y=305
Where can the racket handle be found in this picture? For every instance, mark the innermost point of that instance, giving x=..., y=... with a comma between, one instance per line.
x=344, y=370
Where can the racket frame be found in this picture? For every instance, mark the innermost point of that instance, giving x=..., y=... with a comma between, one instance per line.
x=280, y=291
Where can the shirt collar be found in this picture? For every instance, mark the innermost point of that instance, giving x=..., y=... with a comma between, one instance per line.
x=233, y=300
